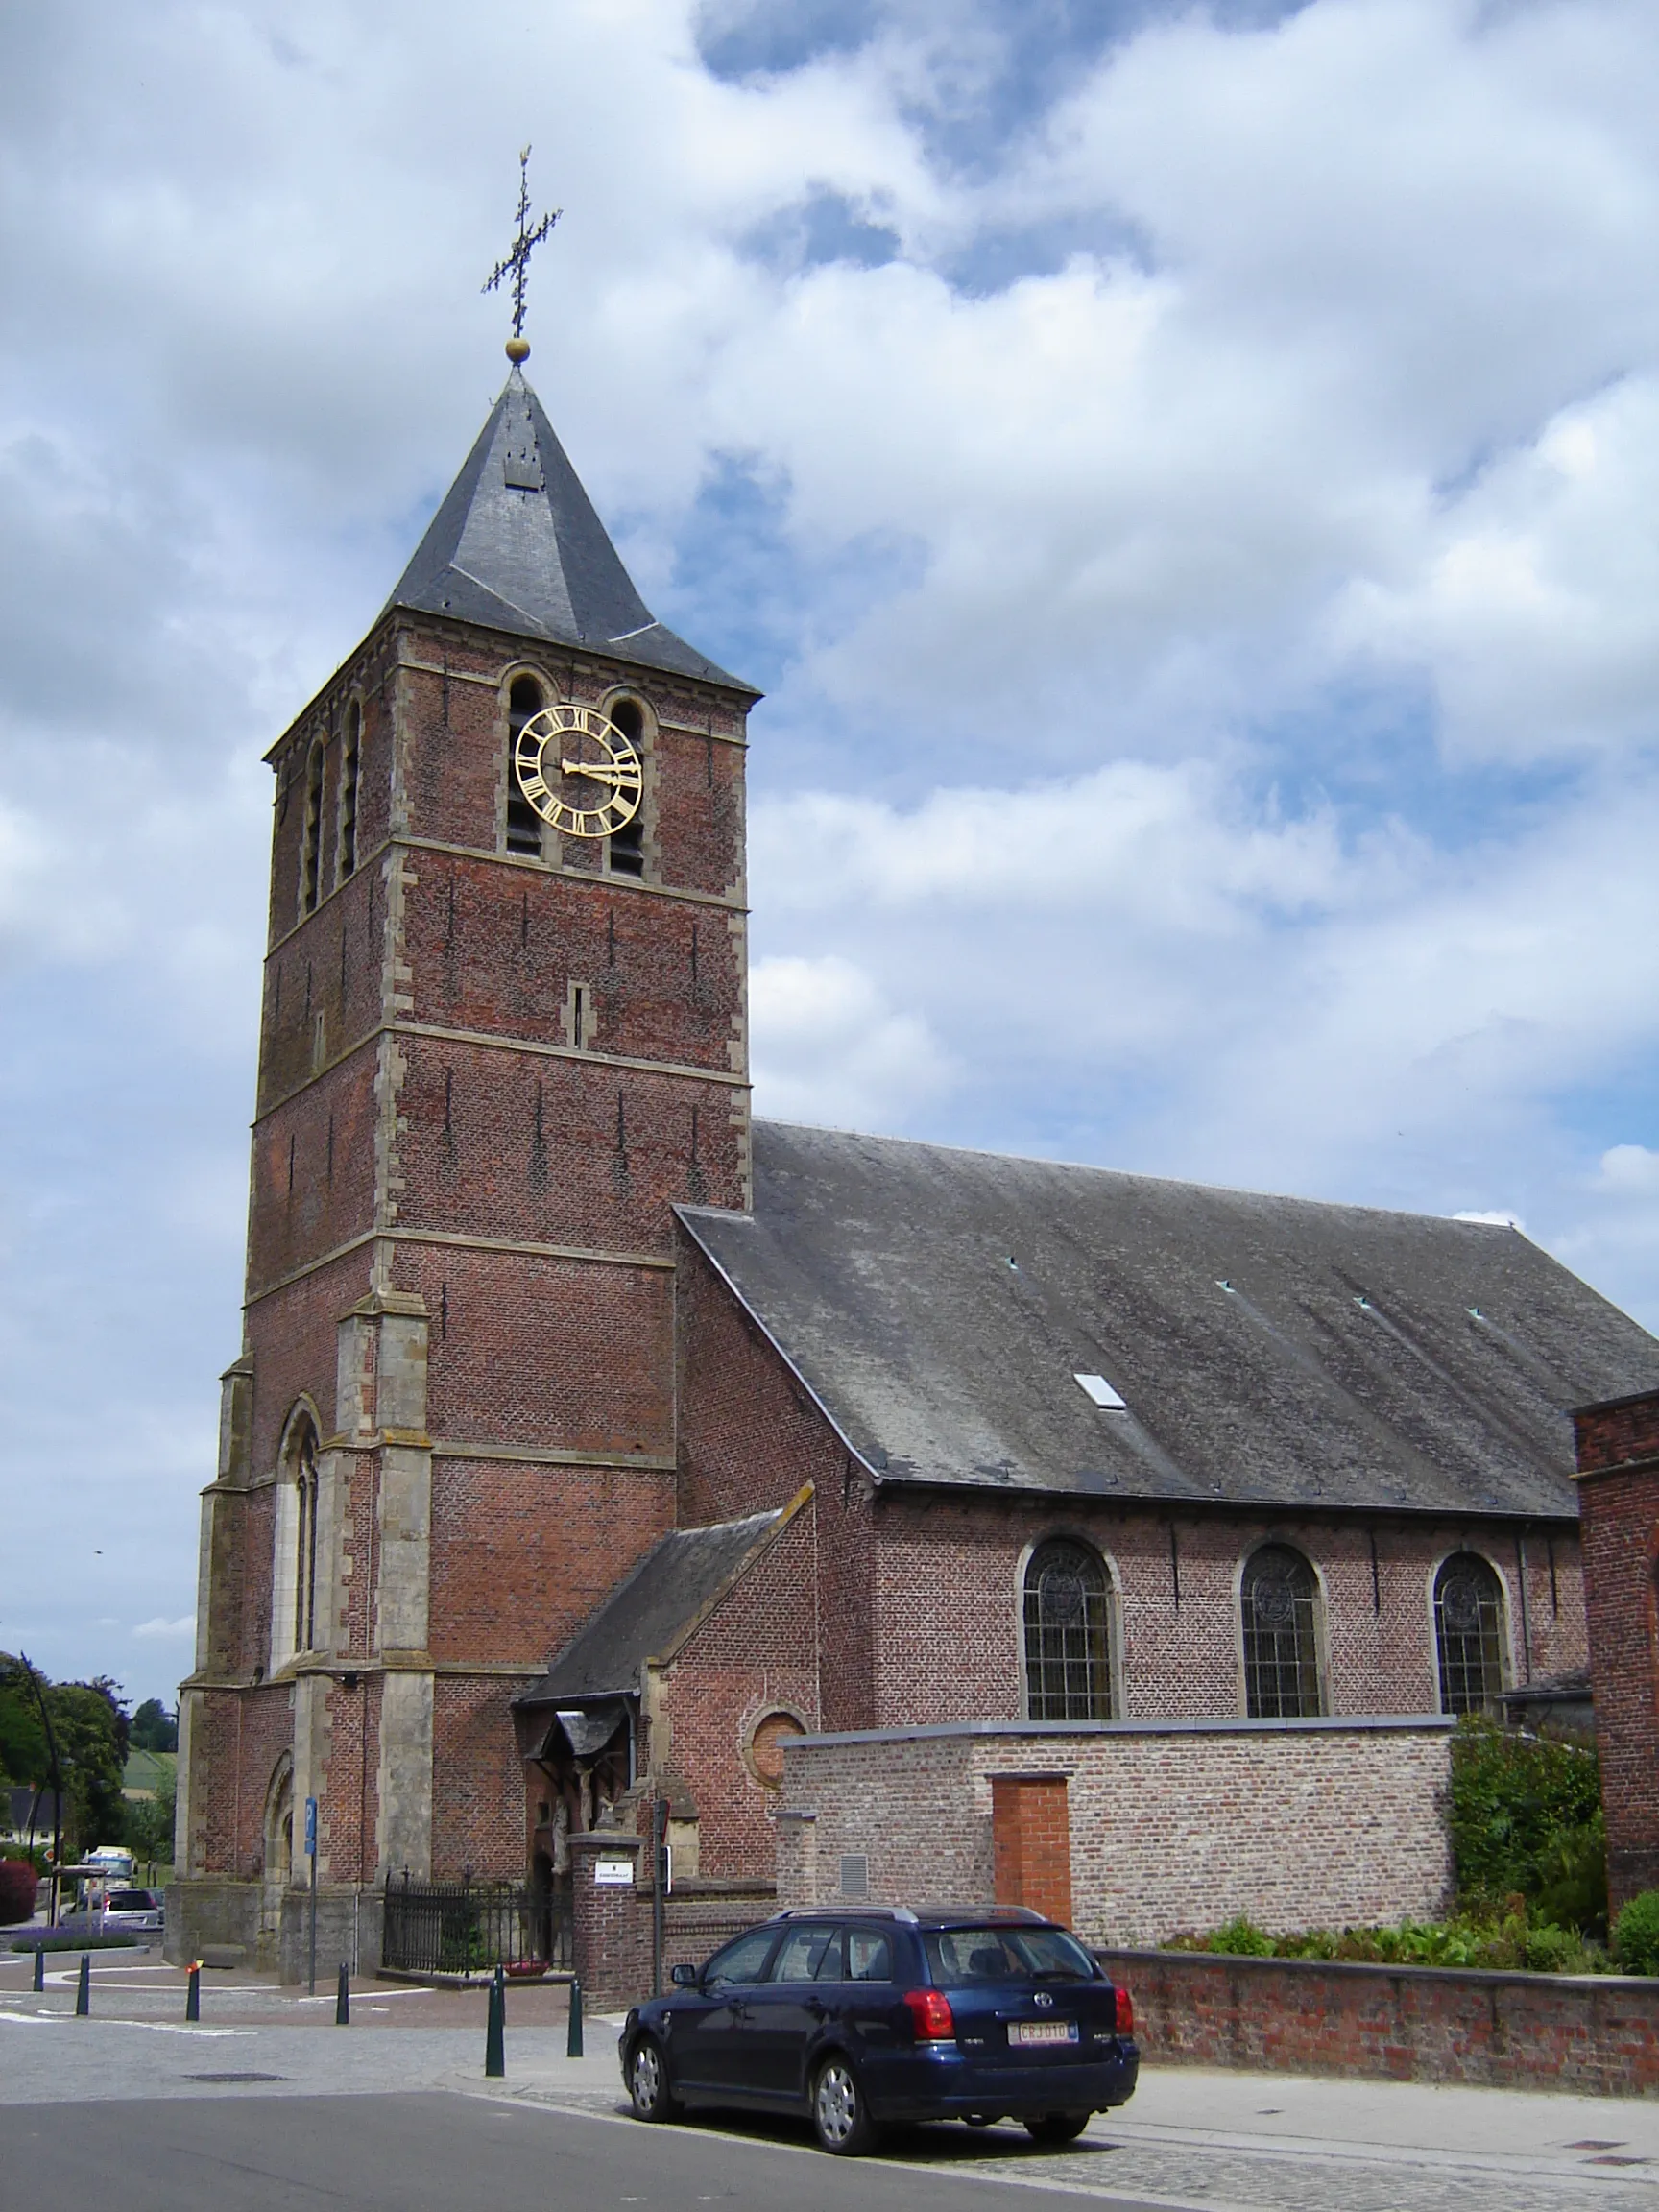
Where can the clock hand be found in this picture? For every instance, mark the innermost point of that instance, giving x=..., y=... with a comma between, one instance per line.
x=602, y=772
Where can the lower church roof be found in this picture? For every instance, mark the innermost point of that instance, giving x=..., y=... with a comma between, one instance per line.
x=652, y=1611
x=1012, y=1325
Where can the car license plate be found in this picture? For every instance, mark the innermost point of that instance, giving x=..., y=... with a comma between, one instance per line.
x=1043, y=2031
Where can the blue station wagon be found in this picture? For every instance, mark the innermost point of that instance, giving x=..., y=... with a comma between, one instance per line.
x=868, y=2019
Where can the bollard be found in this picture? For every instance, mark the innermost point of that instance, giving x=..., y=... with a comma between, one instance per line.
x=84, y=1988
x=343, y=1999
x=39, y=1967
x=496, y=2031
x=193, y=1991
x=573, y=2041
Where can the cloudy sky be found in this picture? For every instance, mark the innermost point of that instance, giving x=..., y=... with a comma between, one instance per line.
x=1187, y=479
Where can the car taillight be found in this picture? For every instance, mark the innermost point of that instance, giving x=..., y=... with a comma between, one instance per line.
x=931, y=2015
x=1126, y=2013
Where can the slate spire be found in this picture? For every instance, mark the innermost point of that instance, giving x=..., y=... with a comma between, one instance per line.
x=516, y=545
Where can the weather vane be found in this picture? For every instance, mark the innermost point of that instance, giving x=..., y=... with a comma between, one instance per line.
x=516, y=265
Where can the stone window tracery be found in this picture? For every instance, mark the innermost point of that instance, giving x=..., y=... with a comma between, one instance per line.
x=1280, y=1599
x=1068, y=1634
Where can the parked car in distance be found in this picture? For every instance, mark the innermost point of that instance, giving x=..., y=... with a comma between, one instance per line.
x=131, y=1913
x=868, y=2018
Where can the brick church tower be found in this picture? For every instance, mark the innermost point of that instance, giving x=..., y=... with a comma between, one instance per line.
x=498, y=1045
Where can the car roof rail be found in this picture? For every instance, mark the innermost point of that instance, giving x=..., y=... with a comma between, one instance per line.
x=988, y=1913
x=845, y=1908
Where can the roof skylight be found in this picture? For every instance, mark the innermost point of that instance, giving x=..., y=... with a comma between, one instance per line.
x=1102, y=1392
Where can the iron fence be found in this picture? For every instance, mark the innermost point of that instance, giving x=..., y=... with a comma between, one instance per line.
x=473, y=1927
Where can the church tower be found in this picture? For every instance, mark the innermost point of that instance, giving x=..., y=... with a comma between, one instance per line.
x=503, y=1032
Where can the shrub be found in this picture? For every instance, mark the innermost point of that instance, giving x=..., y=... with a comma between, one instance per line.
x=1636, y=1935
x=1526, y=1818
x=18, y=1883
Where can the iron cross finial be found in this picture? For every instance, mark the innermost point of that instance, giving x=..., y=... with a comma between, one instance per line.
x=516, y=264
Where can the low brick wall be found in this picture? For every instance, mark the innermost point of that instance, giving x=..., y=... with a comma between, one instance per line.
x=1596, y=2035
x=1173, y=1825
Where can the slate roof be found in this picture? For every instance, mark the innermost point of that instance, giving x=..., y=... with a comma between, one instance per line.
x=1272, y=1352
x=516, y=545
x=651, y=1612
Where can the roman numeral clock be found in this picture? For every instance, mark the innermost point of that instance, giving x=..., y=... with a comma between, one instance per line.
x=578, y=770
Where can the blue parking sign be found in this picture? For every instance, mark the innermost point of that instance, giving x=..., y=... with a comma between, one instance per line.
x=311, y=1827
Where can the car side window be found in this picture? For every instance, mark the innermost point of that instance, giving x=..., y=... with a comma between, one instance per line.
x=803, y=1953
x=869, y=1956
x=744, y=1961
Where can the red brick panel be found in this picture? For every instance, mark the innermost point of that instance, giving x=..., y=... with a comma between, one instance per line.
x=477, y=1780
x=314, y=1171
x=1614, y=1434
x=558, y=1151
x=756, y=1653
x=1031, y=1844
x=1621, y=1526
x=494, y=948
x=577, y=1355
x=522, y=1554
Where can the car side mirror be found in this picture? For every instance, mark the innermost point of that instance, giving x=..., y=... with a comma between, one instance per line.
x=683, y=1976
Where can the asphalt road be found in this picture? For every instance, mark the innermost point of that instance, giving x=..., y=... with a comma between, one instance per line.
x=440, y=2153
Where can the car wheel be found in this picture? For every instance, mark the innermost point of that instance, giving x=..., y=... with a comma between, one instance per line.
x=840, y=2118
x=648, y=2082
x=1057, y=2127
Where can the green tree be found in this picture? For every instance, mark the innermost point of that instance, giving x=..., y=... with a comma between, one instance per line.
x=23, y=1755
x=153, y=1728
x=90, y=1722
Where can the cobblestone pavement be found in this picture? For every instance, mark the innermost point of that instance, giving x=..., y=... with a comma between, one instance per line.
x=1214, y=2142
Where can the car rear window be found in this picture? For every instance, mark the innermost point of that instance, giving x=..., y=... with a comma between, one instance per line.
x=869, y=1956
x=131, y=1901
x=959, y=1956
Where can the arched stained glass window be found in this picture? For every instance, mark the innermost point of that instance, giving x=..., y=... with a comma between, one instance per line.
x=1468, y=1634
x=1280, y=1598
x=1068, y=1634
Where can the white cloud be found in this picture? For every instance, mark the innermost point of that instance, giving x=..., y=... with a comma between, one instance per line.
x=827, y=1048
x=171, y=1632
x=1630, y=1169
x=1493, y=1221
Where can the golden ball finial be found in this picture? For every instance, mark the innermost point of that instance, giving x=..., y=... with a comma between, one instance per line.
x=518, y=350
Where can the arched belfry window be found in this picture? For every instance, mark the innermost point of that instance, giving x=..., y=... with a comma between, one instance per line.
x=351, y=753
x=1468, y=1634
x=294, y=1590
x=1068, y=1634
x=625, y=848
x=524, y=823
x=311, y=835
x=1280, y=1598
x=305, y=1543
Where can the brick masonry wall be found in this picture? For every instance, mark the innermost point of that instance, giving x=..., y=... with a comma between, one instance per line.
x=1619, y=1507
x=521, y=1554
x=1297, y=1824
x=947, y=1579
x=1595, y=2036
x=755, y=1654
x=751, y=1437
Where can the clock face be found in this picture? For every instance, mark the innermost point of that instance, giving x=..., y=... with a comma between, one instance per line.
x=578, y=771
